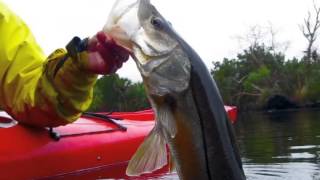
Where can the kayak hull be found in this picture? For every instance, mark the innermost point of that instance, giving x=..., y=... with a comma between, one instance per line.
x=89, y=148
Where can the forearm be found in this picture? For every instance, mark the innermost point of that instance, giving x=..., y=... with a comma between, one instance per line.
x=69, y=87
x=53, y=99
x=42, y=92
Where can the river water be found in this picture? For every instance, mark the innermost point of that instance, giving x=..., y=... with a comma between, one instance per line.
x=278, y=145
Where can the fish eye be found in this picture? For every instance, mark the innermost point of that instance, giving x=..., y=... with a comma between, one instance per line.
x=156, y=22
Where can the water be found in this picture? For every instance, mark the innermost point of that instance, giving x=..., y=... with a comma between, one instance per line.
x=282, y=145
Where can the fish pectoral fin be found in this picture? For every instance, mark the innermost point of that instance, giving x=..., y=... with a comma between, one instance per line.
x=150, y=156
x=165, y=117
x=172, y=164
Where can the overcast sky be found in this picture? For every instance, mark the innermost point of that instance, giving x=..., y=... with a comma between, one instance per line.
x=209, y=26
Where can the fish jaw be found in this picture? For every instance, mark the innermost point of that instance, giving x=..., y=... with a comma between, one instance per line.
x=168, y=74
x=123, y=22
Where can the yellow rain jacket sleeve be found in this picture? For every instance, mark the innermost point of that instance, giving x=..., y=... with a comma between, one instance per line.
x=29, y=91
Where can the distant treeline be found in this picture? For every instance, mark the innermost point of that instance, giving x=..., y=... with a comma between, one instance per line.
x=258, y=74
x=112, y=93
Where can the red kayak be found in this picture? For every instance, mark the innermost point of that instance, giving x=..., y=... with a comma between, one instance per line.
x=94, y=147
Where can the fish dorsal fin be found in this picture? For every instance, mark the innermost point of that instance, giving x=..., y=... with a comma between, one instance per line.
x=165, y=117
x=150, y=156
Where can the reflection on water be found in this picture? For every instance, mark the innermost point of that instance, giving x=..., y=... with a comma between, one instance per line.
x=282, y=145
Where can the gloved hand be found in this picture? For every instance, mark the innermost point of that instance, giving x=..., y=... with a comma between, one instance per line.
x=105, y=55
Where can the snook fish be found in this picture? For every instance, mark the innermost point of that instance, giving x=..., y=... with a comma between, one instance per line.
x=190, y=115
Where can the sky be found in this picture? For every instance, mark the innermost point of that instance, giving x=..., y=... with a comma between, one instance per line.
x=211, y=27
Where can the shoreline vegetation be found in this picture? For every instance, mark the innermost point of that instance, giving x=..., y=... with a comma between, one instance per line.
x=259, y=79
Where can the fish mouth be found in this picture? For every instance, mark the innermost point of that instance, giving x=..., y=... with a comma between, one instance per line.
x=123, y=22
x=122, y=11
x=126, y=27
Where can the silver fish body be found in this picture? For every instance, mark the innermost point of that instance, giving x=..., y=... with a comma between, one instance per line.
x=190, y=115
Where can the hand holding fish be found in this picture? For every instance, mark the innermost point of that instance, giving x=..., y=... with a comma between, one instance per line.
x=105, y=55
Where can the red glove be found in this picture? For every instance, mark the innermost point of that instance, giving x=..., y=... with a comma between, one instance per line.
x=105, y=55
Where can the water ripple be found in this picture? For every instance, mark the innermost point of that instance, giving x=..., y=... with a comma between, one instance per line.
x=303, y=171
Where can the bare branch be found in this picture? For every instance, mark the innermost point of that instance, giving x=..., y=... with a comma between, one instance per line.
x=310, y=30
x=241, y=79
x=303, y=30
x=273, y=33
x=257, y=87
x=258, y=35
x=245, y=94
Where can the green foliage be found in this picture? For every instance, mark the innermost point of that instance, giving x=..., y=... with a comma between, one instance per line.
x=255, y=77
x=258, y=73
x=313, y=83
x=112, y=93
x=226, y=78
